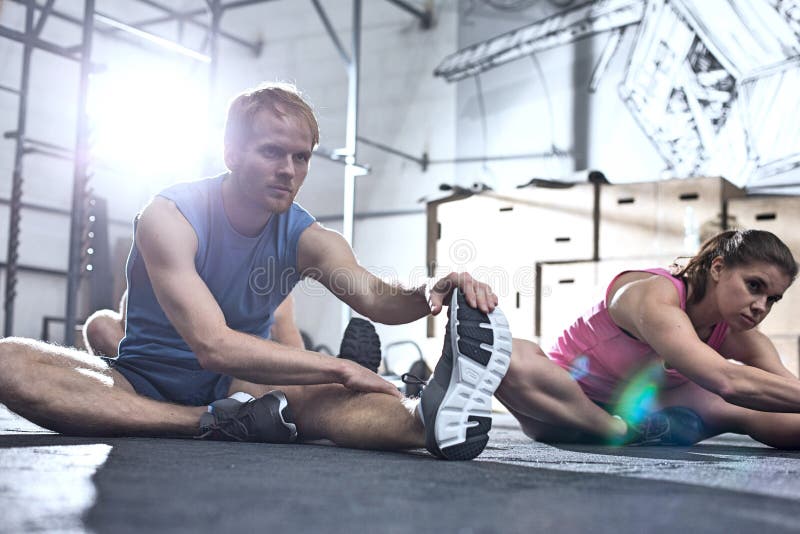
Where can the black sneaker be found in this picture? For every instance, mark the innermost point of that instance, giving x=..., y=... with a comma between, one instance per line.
x=457, y=401
x=674, y=425
x=240, y=417
x=361, y=344
x=416, y=378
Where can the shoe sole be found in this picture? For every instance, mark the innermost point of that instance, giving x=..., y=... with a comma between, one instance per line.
x=283, y=408
x=481, y=348
x=361, y=344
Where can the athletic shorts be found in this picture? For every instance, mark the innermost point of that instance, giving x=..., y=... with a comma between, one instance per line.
x=177, y=381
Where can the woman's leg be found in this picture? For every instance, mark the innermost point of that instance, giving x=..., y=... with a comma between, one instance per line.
x=549, y=403
x=547, y=433
x=780, y=430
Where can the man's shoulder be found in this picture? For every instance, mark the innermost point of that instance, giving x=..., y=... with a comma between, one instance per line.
x=191, y=188
x=296, y=219
x=296, y=210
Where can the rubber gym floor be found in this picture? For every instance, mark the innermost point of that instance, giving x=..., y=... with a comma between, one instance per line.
x=53, y=483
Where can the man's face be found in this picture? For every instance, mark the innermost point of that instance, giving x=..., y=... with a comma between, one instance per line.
x=270, y=167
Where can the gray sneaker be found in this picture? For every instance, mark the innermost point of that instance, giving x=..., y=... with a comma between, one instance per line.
x=240, y=417
x=457, y=401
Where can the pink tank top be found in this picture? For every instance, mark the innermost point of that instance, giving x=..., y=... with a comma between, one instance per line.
x=602, y=357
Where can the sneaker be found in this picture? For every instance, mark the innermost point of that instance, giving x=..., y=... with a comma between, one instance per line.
x=674, y=425
x=241, y=417
x=456, y=404
x=361, y=344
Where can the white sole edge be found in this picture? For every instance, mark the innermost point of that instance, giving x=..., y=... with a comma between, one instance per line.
x=282, y=404
x=475, y=383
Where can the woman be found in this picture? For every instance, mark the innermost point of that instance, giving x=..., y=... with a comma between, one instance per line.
x=660, y=341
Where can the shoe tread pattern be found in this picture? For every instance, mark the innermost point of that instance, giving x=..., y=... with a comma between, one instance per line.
x=471, y=335
x=478, y=369
x=361, y=344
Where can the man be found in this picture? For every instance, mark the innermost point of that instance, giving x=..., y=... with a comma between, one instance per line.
x=210, y=260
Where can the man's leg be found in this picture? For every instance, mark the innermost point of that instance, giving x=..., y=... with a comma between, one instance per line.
x=104, y=329
x=74, y=393
x=102, y=332
x=349, y=419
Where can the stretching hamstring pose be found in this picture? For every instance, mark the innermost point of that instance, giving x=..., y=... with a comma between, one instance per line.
x=657, y=352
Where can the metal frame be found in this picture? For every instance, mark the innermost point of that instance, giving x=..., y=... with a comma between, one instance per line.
x=565, y=27
x=182, y=18
x=81, y=53
x=81, y=177
x=12, y=254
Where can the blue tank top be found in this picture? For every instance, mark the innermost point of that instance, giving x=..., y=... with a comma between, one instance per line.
x=248, y=276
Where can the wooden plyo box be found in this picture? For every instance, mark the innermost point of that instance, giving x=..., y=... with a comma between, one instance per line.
x=628, y=220
x=498, y=238
x=697, y=201
x=655, y=218
x=776, y=214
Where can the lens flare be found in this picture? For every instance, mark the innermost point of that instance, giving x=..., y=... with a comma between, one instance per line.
x=149, y=119
x=579, y=367
x=639, y=395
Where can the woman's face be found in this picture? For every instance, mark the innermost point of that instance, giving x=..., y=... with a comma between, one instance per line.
x=745, y=294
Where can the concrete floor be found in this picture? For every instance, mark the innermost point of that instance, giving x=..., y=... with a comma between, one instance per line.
x=52, y=483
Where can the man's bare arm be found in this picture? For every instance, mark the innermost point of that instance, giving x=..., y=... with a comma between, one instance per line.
x=325, y=255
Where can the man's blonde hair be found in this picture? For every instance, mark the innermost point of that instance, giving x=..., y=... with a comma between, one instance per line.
x=280, y=98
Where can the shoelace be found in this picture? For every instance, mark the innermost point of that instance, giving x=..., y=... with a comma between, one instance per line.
x=413, y=380
x=237, y=424
x=653, y=429
x=656, y=427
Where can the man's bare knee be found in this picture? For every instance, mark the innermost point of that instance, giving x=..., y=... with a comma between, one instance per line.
x=101, y=322
x=102, y=332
